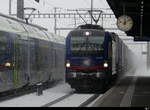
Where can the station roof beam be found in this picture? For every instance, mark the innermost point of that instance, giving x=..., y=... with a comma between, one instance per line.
x=135, y=9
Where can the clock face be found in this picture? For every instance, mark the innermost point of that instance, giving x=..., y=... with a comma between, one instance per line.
x=125, y=23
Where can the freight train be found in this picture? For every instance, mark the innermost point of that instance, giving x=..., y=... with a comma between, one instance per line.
x=29, y=54
x=93, y=57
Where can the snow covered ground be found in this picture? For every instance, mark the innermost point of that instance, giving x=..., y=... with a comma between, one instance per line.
x=74, y=101
x=49, y=95
x=32, y=100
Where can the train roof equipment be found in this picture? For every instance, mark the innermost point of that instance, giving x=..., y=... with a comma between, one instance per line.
x=90, y=26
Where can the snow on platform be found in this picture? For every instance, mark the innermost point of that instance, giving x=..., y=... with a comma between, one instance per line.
x=32, y=100
x=74, y=101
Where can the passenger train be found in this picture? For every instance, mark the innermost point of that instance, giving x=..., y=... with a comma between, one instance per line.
x=93, y=57
x=28, y=54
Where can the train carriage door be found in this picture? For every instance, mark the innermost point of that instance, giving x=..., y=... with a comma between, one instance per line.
x=53, y=60
x=33, y=62
x=55, y=68
x=46, y=61
x=50, y=61
x=19, y=60
x=49, y=55
x=43, y=60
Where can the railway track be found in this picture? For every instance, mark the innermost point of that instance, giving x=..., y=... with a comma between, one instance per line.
x=86, y=103
x=58, y=100
x=71, y=98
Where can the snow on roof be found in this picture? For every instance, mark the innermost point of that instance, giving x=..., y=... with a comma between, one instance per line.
x=16, y=26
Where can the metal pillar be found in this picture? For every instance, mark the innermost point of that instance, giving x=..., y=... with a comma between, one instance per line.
x=102, y=21
x=20, y=9
x=148, y=55
x=91, y=11
x=9, y=7
x=75, y=21
x=39, y=89
x=55, y=20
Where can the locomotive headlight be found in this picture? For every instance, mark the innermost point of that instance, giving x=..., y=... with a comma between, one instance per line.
x=105, y=64
x=7, y=64
x=68, y=65
x=87, y=33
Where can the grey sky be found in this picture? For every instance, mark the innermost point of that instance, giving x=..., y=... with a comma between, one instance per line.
x=48, y=6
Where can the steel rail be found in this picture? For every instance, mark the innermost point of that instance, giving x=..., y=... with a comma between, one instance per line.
x=91, y=99
x=58, y=100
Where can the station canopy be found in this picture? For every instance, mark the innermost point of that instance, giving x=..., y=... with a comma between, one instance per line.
x=138, y=10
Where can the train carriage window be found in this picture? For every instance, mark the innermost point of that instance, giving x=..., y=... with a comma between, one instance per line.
x=3, y=37
x=3, y=40
x=2, y=47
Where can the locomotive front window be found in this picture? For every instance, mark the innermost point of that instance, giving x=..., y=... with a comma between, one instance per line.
x=87, y=46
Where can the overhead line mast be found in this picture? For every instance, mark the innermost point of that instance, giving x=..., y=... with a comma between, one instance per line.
x=9, y=7
x=20, y=9
x=91, y=11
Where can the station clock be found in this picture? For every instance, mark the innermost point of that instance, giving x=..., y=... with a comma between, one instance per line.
x=125, y=23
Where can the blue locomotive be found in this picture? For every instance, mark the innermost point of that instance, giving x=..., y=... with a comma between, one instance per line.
x=93, y=56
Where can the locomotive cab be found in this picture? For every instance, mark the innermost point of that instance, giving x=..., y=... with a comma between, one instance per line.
x=87, y=54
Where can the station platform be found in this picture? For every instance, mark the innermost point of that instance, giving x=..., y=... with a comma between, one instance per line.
x=130, y=91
